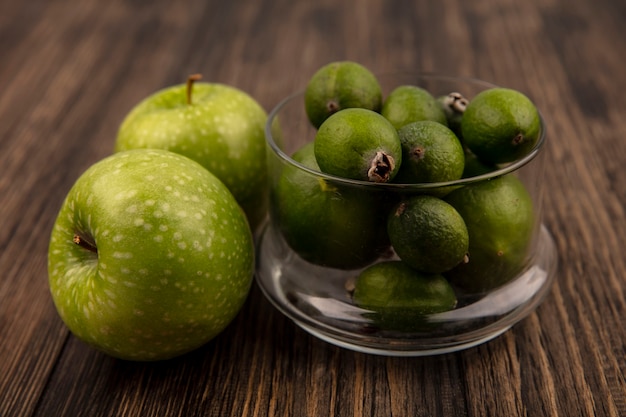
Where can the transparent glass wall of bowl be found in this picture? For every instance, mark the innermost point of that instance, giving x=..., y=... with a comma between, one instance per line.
x=317, y=297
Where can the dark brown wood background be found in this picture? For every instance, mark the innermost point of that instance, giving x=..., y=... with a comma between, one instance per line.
x=70, y=71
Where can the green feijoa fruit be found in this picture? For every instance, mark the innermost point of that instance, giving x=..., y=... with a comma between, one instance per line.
x=475, y=167
x=400, y=298
x=500, y=125
x=340, y=85
x=500, y=221
x=358, y=144
x=453, y=105
x=326, y=223
x=409, y=103
x=431, y=152
x=428, y=234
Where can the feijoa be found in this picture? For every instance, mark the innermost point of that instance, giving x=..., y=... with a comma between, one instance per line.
x=453, y=105
x=431, y=152
x=324, y=222
x=474, y=166
x=428, y=234
x=410, y=103
x=500, y=125
x=341, y=85
x=400, y=298
x=358, y=144
x=500, y=220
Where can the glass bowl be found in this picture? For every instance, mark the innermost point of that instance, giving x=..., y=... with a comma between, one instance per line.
x=314, y=287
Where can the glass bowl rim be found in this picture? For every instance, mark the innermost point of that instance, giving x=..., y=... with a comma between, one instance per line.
x=513, y=166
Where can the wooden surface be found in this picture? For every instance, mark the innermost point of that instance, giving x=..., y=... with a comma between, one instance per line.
x=70, y=71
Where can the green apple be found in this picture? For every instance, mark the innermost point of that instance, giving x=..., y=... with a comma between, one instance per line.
x=150, y=256
x=218, y=126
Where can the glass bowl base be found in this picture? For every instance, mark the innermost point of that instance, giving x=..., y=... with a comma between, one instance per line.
x=317, y=300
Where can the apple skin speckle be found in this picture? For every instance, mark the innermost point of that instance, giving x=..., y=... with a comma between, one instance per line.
x=149, y=293
x=223, y=130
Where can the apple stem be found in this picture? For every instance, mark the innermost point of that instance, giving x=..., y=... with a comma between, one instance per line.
x=190, y=80
x=85, y=244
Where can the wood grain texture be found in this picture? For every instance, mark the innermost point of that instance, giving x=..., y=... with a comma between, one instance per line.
x=70, y=71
